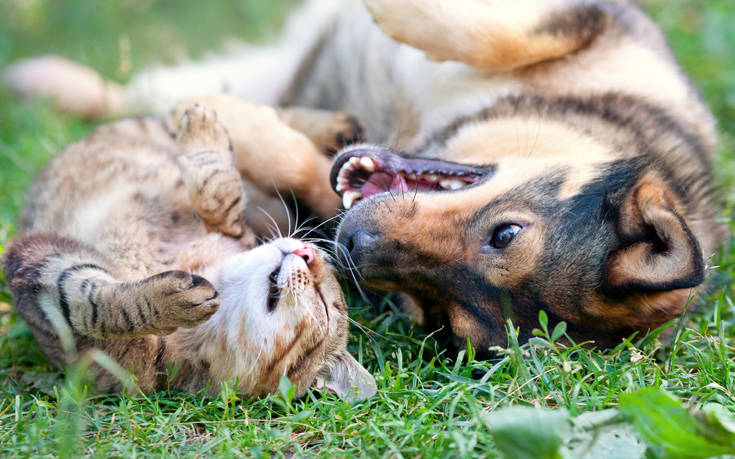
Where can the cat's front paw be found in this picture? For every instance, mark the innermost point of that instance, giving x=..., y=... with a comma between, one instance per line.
x=181, y=299
x=199, y=129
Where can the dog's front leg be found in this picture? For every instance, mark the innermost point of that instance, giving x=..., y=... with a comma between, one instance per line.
x=329, y=131
x=491, y=35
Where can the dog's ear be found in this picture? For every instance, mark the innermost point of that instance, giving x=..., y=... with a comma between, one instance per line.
x=659, y=252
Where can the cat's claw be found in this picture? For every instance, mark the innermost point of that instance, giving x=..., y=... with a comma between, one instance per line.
x=182, y=299
x=200, y=129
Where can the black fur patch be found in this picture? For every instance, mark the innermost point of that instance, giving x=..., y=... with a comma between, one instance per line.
x=126, y=318
x=693, y=278
x=63, y=300
x=624, y=112
x=583, y=23
x=90, y=299
x=160, y=352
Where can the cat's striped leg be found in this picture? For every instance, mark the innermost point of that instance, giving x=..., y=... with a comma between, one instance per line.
x=210, y=173
x=58, y=283
x=272, y=155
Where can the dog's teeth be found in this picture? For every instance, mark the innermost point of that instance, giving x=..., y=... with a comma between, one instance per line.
x=412, y=176
x=340, y=187
x=430, y=177
x=367, y=163
x=349, y=197
x=354, y=161
x=343, y=171
x=451, y=184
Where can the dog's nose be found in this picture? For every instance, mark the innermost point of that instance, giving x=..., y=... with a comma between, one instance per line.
x=359, y=242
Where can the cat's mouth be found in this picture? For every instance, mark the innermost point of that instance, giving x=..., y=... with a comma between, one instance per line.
x=361, y=173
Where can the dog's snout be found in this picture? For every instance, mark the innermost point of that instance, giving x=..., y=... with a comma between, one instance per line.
x=358, y=242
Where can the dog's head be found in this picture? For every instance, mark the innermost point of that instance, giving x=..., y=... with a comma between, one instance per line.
x=597, y=241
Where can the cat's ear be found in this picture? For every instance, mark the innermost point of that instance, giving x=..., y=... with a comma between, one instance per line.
x=348, y=379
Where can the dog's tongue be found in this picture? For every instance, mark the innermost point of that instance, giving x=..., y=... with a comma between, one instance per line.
x=380, y=182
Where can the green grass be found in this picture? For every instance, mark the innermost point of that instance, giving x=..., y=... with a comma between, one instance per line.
x=427, y=405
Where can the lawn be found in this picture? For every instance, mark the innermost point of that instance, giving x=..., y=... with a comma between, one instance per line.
x=427, y=405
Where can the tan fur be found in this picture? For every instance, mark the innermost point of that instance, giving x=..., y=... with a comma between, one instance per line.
x=487, y=35
x=590, y=136
x=292, y=160
x=135, y=242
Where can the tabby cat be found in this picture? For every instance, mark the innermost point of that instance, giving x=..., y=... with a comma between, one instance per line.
x=134, y=242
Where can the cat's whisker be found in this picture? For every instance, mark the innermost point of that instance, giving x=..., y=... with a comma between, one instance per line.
x=296, y=217
x=311, y=313
x=285, y=208
x=254, y=366
x=339, y=215
x=365, y=331
x=352, y=269
x=302, y=226
x=275, y=225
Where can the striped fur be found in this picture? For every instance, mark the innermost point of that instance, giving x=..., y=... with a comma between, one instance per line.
x=135, y=243
x=592, y=147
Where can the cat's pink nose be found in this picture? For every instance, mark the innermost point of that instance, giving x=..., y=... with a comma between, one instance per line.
x=307, y=253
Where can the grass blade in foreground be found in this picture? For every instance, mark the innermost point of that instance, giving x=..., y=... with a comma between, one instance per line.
x=658, y=417
x=672, y=431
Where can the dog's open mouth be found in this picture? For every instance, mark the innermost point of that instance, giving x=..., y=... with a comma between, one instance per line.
x=359, y=174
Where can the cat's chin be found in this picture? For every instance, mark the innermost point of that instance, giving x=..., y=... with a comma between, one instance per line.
x=263, y=279
x=300, y=333
x=271, y=309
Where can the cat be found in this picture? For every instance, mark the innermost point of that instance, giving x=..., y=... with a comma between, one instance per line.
x=134, y=241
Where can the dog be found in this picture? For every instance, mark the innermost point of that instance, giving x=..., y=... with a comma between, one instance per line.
x=527, y=155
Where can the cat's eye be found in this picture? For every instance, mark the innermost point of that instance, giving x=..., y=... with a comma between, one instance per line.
x=502, y=236
x=274, y=293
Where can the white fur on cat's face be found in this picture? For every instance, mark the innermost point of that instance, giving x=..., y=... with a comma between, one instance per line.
x=245, y=286
x=301, y=334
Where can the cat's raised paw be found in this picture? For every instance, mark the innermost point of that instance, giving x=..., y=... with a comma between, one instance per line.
x=182, y=299
x=200, y=129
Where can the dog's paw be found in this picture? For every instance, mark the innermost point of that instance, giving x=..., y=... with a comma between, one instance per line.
x=343, y=131
x=407, y=21
x=396, y=18
x=378, y=9
x=180, y=299
x=199, y=129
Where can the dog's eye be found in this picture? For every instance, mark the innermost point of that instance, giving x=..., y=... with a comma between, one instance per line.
x=503, y=235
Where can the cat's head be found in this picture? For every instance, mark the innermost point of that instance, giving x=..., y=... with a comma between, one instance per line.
x=284, y=313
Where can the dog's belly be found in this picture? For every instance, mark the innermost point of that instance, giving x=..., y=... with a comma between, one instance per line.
x=400, y=96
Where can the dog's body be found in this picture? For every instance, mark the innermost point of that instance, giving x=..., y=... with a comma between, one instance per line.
x=554, y=155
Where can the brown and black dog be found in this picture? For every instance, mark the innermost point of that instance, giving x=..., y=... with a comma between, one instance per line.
x=541, y=154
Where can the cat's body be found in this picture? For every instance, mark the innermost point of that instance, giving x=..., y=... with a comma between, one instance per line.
x=134, y=242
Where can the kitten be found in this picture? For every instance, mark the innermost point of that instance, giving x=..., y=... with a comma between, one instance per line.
x=134, y=242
